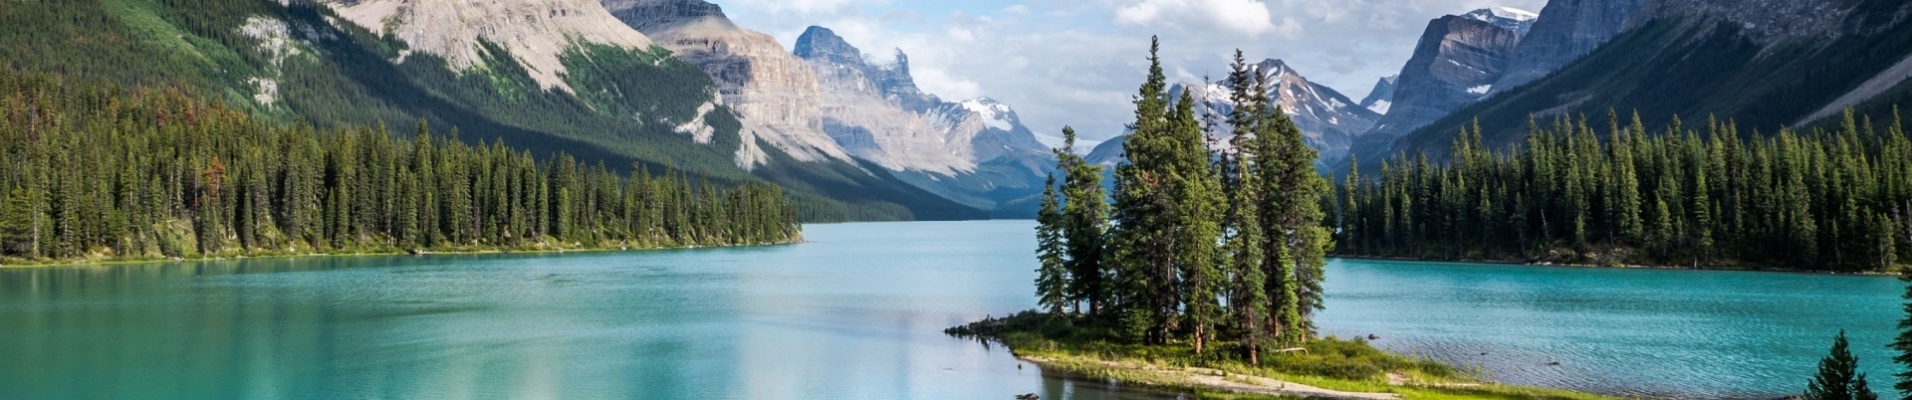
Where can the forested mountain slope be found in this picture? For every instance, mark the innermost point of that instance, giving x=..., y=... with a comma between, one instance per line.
x=100, y=173
x=1763, y=64
x=567, y=84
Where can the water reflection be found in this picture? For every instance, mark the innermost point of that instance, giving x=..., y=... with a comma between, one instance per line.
x=858, y=314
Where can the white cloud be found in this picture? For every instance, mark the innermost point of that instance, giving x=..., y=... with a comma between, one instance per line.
x=1244, y=17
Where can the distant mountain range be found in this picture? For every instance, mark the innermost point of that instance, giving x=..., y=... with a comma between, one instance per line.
x=667, y=85
x=1329, y=121
x=974, y=151
x=1765, y=64
x=675, y=85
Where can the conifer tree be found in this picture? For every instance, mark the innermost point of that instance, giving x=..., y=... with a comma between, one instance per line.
x=1051, y=278
x=1141, y=243
x=1084, y=223
x=1838, y=377
x=1903, y=342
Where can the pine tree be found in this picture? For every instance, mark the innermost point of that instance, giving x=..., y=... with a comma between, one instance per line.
x=1084, y=222
x=1051, y=278
x=1199, y=206
x=1903, y=342
x=1297, y=242
x=1243, y=247
x=16, y=225
x=1141, y=243
x=1838, y=377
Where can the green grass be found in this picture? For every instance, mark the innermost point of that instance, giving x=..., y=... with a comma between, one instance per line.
x=1075, y=345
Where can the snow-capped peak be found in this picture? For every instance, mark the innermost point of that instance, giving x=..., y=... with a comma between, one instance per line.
x=1511, y=18
x=1513, y=13
x=995, y=114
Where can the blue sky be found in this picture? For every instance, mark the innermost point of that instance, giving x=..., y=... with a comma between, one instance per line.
x=1076, y=62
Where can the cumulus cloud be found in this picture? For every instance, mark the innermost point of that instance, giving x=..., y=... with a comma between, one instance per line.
x=1244, y=17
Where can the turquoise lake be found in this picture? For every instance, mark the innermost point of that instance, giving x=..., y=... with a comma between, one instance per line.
x=857, y=313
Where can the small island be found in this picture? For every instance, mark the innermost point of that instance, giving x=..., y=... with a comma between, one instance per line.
x=1327, y=368
x=1204, y=274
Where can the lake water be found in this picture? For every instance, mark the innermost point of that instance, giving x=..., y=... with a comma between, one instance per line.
x=1654, y=333
x=858, y=313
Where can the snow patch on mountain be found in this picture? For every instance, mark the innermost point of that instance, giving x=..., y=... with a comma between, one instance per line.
x=1381, y=106
x=1514, y=19
x=994, y=115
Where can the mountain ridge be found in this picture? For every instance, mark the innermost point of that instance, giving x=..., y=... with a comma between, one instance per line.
x=975, y=151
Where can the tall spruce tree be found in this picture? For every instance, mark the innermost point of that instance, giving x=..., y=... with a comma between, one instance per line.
x=1838, y=377
x=1142, y=242
x=1297, y=242
x=1084, y=222
x=1198, y=205
x=1243, y=246
x=1052, y=276
x=1903, y=342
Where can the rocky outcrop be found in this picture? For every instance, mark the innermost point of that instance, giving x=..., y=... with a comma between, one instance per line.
x=773, y=92
x=877, y=113
x=534, y=31
x=1381, y=98
x=1458, y=61
x=1565, y=31
x=840, y=63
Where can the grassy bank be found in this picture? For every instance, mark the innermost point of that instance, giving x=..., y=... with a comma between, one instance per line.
x=1323, y=368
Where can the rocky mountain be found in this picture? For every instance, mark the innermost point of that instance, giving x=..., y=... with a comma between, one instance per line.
x=536, y=76
x=534, y=32
x=1381, y=98
x=1513, y=19
x=1457, y=62
x=974, y=151
x=773, y=92
x=1329, y=121
x=1764, y=64
x=1565, y=31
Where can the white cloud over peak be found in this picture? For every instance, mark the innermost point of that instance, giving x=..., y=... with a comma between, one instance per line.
x=1243, y=17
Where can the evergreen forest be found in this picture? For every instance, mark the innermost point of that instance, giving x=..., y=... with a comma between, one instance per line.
x=1710, y=196
x=109, y=173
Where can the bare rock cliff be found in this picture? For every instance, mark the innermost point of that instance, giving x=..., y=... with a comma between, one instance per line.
x=1457, y=62
x=534, y=31
x=877, y=113
x=1565, y=31
x=773, y=91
